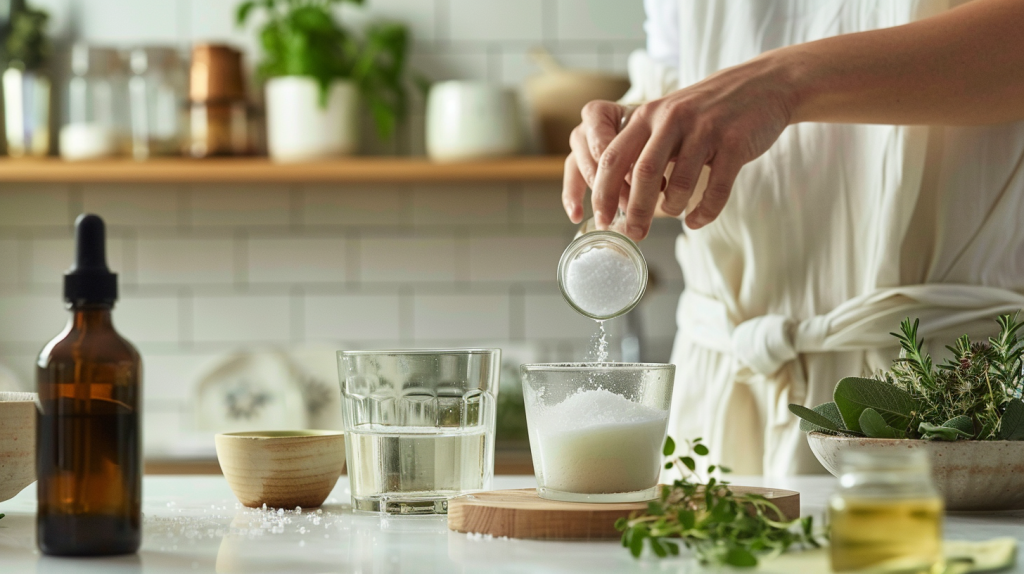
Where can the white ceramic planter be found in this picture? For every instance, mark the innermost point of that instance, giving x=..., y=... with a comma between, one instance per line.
x=471, y=120
x=970, y=474
x=299, y=128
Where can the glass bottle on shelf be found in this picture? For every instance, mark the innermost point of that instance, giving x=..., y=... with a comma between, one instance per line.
x=157, y=92
x=95, y=104
x=886, y=513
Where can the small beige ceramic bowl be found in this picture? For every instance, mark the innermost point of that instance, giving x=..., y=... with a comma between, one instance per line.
x=17, y=443
x=282, y=469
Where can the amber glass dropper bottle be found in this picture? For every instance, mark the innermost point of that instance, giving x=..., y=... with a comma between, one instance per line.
x=88, y=428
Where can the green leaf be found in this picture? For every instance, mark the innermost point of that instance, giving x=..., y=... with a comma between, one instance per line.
x=689, y=463
x=620, y=524
x=636, y=543
x=1011, y=425
x=673, y=548
x=740, y=558
x=654, y=508
x=658, y=547
x=669, y=465
x=670, y=446
x=700, y=449
x=854, y=394
x=822, y=418
x=935, y=432
x=961, y=423
x=873, y=425
x=687, y=518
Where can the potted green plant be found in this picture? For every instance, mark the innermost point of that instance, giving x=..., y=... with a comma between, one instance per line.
x=316, y=71
x=967, y=412
x=26, y=87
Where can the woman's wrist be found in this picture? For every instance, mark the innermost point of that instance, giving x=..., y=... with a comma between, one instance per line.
x=797, y=75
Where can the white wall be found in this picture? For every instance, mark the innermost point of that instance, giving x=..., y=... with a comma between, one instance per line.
x=206, y=269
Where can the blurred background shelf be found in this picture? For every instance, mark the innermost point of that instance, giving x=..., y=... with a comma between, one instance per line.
x=262, y=170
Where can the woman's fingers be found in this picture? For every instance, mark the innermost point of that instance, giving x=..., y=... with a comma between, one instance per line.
x=723, y=175
x=612, y=167
x=647, y=183
x=684, y=177
x=600, y=126
x=573, y=190
x=585, y=162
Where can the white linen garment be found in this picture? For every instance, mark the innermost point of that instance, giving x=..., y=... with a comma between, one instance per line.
x=829, y=240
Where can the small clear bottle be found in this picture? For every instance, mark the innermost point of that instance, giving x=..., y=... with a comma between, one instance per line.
x=602, y=274
x=158, y=92
x=886, y=514
x=95, y=104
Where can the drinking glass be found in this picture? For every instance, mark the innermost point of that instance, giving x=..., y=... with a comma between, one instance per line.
x=419, y=426
x=597, y=429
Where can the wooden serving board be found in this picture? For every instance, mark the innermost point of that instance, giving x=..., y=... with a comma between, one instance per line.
x=523, y=514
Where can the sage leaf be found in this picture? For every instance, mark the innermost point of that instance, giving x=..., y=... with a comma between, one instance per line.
x=822, y=418
x=934, y=432
x=962, y=423
x=1011, y=425
x=873, y=425
x=854, y=394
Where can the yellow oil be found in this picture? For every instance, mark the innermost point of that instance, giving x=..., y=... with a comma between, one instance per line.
x=886, y=535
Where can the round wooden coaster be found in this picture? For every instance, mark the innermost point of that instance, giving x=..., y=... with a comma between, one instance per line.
x=523, y=514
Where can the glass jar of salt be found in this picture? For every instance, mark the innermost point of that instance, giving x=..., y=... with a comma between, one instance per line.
x=602, y=273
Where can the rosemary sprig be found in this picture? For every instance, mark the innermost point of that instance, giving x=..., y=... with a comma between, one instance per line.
x=720, y=526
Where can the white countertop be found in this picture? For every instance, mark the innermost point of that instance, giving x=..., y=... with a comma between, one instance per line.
x=194, y=524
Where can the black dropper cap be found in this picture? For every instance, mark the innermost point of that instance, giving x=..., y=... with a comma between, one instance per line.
x=89, y=280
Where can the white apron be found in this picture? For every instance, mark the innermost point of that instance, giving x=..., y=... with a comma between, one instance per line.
x=829, y=240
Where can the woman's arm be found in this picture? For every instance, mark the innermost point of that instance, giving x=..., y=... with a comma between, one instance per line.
x=964, y=66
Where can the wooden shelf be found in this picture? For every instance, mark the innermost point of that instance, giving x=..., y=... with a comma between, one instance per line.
x=262, y=170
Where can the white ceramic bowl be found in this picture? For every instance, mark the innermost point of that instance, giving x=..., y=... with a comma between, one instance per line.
x=972, y=475
x=282, y=469
x=17, y=443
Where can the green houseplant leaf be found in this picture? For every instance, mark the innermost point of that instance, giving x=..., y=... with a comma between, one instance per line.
x=822, y=418
x=932, y=432
x=854, y=394
x=873, y=425
x=1011, y=426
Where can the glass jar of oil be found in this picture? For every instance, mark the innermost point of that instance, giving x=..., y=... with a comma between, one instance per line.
x=887, y=514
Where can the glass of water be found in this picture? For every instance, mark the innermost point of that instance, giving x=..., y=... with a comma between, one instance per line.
x=419, y=426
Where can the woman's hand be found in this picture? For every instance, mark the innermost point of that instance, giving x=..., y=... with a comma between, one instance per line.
x=723, y=122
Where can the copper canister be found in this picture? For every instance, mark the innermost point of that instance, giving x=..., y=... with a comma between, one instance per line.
x=217, y=114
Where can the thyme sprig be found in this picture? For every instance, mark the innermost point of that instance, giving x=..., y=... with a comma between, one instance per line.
x=720, y=526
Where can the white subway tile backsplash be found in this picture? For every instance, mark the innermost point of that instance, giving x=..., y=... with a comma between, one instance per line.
x=214, y=21
x=440, y=66
x=22, y=368
x=548, y=316
x=496, y=20
x=34, y=204
x=31, y=319
x=122, y=23
x=461, y=317
x=296, y=260
x=173, y=376
x=515, y=258
x=10, y=261
x=660, y=252
x=352, y=317
x=224, y=205
x=407, y=259
x=132, y=205
x=148, y=319
x=335, y=204
x=461, y=204
x=583, y=20
x=185, y=260
x=658, y=312
x=517, y=65
x=418, y=15
x=161, y=428
x=542, y=204
x=241, y=319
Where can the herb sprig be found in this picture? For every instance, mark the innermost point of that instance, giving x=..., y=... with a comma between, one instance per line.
x=720, y=526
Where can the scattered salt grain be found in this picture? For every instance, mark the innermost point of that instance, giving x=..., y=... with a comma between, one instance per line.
x=602, y=281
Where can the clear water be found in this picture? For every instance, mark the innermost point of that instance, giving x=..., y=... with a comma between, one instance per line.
x=409, y=471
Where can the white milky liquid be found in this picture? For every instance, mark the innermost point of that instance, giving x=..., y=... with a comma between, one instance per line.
x=598, y=442
x=411, y=465
x=602, y=281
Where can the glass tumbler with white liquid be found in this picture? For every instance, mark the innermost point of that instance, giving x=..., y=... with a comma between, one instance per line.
x=419, y=426
x=597, y=429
